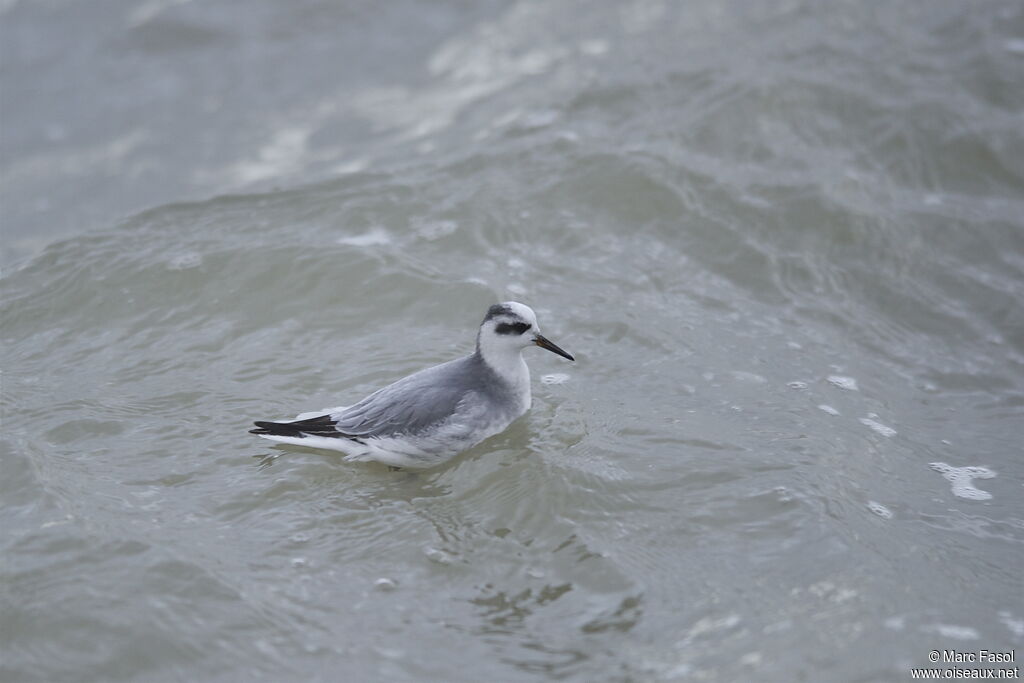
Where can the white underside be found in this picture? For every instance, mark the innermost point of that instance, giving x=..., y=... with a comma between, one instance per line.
x=470, y=424
x=371, y=450
x=422, y=451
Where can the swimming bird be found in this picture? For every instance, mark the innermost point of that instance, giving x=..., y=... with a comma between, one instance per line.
x=430, y=416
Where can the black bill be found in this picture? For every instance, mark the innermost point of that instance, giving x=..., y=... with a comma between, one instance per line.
x=544, y=343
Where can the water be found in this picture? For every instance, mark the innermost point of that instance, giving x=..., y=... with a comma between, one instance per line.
x=783, y=240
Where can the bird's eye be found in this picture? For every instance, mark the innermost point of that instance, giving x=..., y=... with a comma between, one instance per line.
x=512, y=328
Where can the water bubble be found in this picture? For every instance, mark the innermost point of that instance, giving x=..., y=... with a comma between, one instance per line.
x=795, y=384
x=554, y=378
x=385, y=584
x=828, y=409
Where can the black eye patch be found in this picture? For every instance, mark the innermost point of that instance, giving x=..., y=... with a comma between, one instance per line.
x=511, y=328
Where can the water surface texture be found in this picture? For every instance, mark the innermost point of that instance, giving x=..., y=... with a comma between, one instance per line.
x=784, y=241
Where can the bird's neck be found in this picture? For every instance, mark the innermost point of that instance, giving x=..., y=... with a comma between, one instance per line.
x=508, y=365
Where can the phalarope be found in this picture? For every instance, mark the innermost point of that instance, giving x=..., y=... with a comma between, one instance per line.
x=432, y=415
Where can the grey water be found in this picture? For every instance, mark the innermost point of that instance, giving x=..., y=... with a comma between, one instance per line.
x=784, y=241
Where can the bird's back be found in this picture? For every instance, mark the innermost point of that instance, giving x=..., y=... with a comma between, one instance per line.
x=415, y=403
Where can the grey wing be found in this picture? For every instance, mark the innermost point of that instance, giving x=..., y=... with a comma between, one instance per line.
x=409, y=406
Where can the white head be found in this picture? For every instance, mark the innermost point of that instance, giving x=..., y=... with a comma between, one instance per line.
x=510, y=327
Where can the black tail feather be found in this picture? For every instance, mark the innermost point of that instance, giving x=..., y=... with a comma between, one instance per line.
x=314, y=426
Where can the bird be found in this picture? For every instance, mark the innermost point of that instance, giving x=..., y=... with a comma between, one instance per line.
x=430, y=416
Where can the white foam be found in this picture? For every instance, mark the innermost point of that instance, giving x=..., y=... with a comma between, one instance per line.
x=832, y=592
x=184, y=261
x=374, y=237
x=828, y=409
x=847, y=383
x=282, y=155
x=537, y=119
x=554, y=378
x=880, y=510
x=882, y=429
x=1016, y=626
x=953, y=631
x=895, y=623
x=59, y=522
x=438, y=556
x=962, y=479
x=796, y=384
x=743, y=376
x=713, y=625
x=349, y=167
